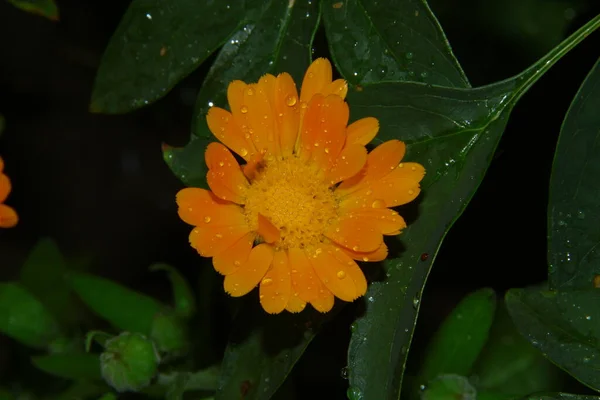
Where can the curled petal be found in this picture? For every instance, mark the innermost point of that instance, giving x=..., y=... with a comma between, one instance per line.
x=222, y=124
x=247, y=276
x=210, y=241
x=362, y=131
x=373, y=256
x=5, y=187
x=317, y=77
x=225, y=176
x=8, y=216
x=304, y=281
x=201, y=207
x=226, y=262
x=354, y=235
x=339, y=273
x=276, y=287
x=349, y=163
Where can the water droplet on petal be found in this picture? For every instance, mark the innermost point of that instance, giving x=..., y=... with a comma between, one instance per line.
x=243, y=152
x=378, y=204
x=207, y=219
x=291, y=100
x=243, y=109
x=341, y=274
x=267, y=281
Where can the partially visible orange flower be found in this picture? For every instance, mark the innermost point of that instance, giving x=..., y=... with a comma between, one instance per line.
x=8, y=216
x=308, y=201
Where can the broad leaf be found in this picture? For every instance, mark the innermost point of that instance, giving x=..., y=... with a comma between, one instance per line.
x=559, y=396
x=449, y=387
x=374, y=41
x=457, y=343
x=45, y=8
x=70, y=366
x=124, y=308
x=574, y=210
x=565, y=326
x=156, y=45
x=453, y=133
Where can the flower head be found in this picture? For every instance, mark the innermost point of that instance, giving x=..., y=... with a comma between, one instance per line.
x=307, y=202
x=8, y=216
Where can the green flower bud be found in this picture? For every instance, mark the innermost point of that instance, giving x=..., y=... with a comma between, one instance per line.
x=129, y=362
x=169, y=333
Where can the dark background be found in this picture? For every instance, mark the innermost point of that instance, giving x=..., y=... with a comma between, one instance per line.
x=99, y=187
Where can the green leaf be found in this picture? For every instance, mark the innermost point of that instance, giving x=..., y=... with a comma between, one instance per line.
x=180, y=382
x=45, y=8
x=457, y=343
x=453, y=133
x=263, y=349
x=43, y=274
x=24, y=318
x=564, y=326
x=559, y=396
x=449, y=387
x=184, y=299
x=510, y=364
x=156, y=45
x=124, y=308
x=276, y=40
x=70, y=366
x=573, y=212
x=374, y=41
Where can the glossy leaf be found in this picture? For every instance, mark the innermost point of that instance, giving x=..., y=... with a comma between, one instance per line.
x=262, y=351
x=45, y=8
x=70, y=366
x=124, y=308
x=43, y=274
x=373, y=41
x=574, y=210
x=184, y=299
x=453, y=133
x=565, y=326
x=187, y=163
x=509, y=364
x=24, y=318
x=156, y=45
x=446, y=387
x=457, y=343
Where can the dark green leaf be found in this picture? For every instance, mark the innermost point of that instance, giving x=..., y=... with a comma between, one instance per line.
x=45, y=8
x=449, y=387
x=124, y=308
x=453, y=133
x=24, y=318
x=460, y=338
x=574, y=210
x=565, y=326
x=184, y=300
x=510, y=364
x=43, y=274
x=70, y=366
x=181, y=382
x=559, y=396
x=374, y=41
x=262, y=351
x=187, y=163
x=156, y=45
x=6, y=395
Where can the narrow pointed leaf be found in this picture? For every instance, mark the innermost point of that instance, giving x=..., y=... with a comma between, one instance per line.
x=453, y=133
x=124, y=308
x=45, y=8
x=564, y=326
x=24, y=318
x=374, y=41
x=70, y=366
x=574, y=210
x=156, y=45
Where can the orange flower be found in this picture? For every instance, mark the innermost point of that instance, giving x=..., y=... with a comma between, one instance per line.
x=8, y=216
x=308, y=201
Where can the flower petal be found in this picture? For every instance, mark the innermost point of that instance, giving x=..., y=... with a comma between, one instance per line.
x=304, y=281
x=276, y=287
x=295, y=304
x=225, y=176
x=386, y=220
x=223, y=125
x=269, y=232
x=5, y=187
x=349, y=163
x=226, y=262
x=355, y=235
x=1, y=164
x=211, y=240
x=338, y=87
x=247, y=276
x=201, y=207
x=377, y=255
x=288, y=114
x=260, y=116
x=8, y=216
x=317, y=77
x=362, y=131
x=339, y=273
x=324, y=300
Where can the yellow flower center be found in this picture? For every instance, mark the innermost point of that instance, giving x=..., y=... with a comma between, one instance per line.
x=288, y=195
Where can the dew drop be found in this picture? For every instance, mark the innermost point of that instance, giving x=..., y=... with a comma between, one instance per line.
x=267, y=281
x=355, y=248
x=207, y=219
x=341, y=274
x=243, y=109
x=410, y=191
x=378, y=204
x=291, y=100
x=243, y=152
x=344, y=373
x=250, y=92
